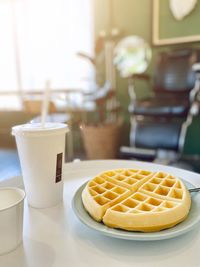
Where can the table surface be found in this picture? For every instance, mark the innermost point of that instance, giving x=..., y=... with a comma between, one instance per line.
x=55, y=237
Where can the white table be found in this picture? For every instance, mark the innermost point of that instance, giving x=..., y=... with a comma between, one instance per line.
x=55, y=237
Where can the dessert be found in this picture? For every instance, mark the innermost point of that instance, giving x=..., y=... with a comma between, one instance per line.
x=137, y=200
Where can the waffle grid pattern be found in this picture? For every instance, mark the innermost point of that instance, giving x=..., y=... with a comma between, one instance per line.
x=163, y=185
x=136, y=200
x=104, y=191
x=126, y=178
x=159, y=193
x=139, y=203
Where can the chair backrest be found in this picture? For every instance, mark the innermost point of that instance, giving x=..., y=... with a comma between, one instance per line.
x=34, y=106
x=173, y=71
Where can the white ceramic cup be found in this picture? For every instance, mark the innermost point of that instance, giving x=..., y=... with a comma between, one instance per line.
x=11, y=218
x=41, y=152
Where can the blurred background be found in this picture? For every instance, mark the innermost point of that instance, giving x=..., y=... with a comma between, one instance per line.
x=123, y=74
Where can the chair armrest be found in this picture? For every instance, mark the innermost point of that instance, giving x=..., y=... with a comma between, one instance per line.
x=137, y=153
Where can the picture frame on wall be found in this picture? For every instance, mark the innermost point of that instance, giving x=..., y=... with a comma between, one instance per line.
x=166, y=29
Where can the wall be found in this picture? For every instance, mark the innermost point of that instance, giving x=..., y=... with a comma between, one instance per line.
x=134, y=17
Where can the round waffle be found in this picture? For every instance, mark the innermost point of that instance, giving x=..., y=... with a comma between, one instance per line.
x=136, y=200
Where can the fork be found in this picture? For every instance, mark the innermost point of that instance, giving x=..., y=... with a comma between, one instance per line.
x=191, y=190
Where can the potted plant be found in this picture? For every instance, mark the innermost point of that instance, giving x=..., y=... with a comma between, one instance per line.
x=101, y=132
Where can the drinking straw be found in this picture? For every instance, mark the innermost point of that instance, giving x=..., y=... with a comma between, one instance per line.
x=45, y=103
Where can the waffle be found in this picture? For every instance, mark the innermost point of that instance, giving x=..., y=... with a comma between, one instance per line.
x=136, y=200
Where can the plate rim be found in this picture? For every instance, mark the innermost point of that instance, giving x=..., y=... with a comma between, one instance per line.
x=127, y=235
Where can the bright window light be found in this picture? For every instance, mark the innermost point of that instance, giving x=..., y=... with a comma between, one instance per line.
x=39, y=42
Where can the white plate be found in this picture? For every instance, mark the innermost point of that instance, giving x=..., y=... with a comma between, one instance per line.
x=182, y=228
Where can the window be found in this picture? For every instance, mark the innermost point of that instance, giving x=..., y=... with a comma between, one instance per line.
x=39, y=42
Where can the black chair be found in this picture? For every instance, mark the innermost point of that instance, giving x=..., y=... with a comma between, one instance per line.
x=159, y=124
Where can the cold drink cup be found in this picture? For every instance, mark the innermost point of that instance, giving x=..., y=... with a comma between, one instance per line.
x=41, y=152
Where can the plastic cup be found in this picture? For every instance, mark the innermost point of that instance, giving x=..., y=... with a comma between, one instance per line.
x=11, y=218
x=41, y=151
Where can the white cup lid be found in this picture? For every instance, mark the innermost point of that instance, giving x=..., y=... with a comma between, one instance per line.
x=36, y=129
